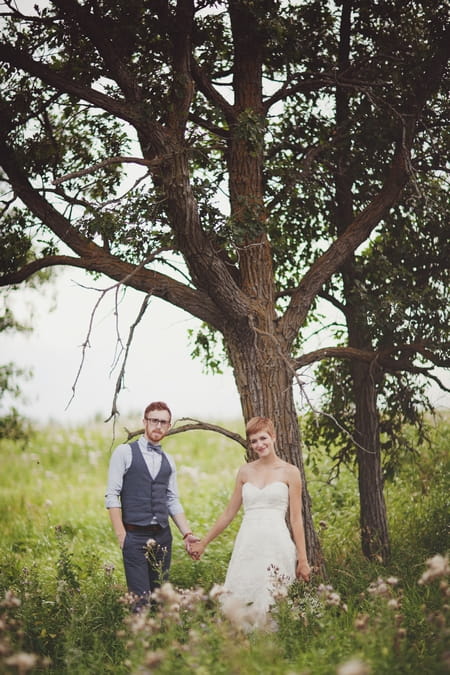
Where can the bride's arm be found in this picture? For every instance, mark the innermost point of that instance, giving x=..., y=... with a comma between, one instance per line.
x=296, y=520
x=224, y=519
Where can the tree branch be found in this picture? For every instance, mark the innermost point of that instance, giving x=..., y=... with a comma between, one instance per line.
x=196, y=426
x=383, y=357
x=210, y=92
x=119, y=108
x=107, y=162
x=208, y=126
x=95, y=28
x=121, y=377
x=365, y=222
x=304, y=85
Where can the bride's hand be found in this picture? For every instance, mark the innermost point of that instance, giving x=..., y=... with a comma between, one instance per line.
x=196, y=550
x=303, y=570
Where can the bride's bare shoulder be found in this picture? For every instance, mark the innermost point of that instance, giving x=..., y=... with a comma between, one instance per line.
x=292, y=472
x=244, y=472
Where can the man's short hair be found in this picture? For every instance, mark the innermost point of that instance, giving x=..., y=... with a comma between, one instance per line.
x=158, y=405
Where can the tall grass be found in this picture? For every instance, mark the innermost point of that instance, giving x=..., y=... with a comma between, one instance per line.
x=63, y=602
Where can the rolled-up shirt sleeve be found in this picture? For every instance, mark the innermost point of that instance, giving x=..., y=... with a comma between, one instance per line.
x=118, y=466
x=173, y=500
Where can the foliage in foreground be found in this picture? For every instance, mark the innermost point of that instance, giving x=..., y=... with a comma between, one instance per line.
x=64, y=608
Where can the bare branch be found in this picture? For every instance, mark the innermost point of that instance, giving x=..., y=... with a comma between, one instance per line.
x=305, y=85
x=107, y=162
x=213, y=128
x=31, y=268
x=86, y=343
x=211, y=93
x=121, y=378
x=196, y=426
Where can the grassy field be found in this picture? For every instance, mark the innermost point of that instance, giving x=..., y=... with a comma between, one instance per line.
x=63, y=600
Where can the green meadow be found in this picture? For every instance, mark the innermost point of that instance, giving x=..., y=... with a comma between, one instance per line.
x=63, y=602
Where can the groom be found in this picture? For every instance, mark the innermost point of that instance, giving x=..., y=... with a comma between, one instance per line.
x=141, y=494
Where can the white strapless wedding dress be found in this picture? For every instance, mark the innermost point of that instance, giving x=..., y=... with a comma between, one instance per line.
x=262, y=565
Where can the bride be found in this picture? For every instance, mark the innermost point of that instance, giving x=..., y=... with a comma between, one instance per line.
x=265, y=558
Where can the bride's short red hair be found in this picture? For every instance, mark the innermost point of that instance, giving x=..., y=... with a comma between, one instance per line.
x=257, y=424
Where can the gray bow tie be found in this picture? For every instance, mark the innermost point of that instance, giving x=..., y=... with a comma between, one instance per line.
x=156, y=448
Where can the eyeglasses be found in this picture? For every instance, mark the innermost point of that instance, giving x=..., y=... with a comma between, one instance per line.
x=154, y=421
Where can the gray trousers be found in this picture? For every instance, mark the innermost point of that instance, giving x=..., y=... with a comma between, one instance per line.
x=144, y=575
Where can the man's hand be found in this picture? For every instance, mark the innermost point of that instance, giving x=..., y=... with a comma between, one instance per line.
x=188, y=541
x=197, y=550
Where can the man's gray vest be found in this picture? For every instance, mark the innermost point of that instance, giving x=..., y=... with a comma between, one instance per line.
x=144, y=498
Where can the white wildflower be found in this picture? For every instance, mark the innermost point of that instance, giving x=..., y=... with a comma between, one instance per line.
x=167, y=593
x=353, y=667
x=437, y=567
x=23, y=661
x=11, y=600
x=216, y=591
x=153, y=659
x=362, y=622
x=378, y=587
x=392, y=581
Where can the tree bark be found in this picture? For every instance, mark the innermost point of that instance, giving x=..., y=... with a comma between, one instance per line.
x=373, y=516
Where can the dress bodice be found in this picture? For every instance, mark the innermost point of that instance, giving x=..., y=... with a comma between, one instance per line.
x=273, y=496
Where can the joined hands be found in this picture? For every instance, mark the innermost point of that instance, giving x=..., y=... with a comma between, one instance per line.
x=189, y=542
x=196, y=549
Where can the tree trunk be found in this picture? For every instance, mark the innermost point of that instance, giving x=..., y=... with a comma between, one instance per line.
x=373, y=516
x=373, y=519
x=264, y=382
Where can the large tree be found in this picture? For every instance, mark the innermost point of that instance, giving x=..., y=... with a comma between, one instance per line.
x=229, y=107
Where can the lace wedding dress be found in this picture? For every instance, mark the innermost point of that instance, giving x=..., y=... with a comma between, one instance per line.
x=263, y=562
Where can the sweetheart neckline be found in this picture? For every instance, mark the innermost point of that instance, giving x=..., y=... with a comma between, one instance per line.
x=248, y=482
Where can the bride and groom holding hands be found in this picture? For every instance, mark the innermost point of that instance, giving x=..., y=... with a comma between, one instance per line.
x=142, y=494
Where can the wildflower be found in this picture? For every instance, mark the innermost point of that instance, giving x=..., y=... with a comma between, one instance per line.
x=437, y=567
x=153, y=659
x=128, y=599
x=167, y=593
x=334, y=599
x=378, y=587
x=353, y=667
x=216, y=591
x=330, y=596
x=362, y=622
x=11, y=600
x=150, y=544
x=23, y=661
x=392, y=581
x=242, y=615
x=394, y=603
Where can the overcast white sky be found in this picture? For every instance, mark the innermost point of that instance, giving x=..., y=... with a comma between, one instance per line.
x=159, y=366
